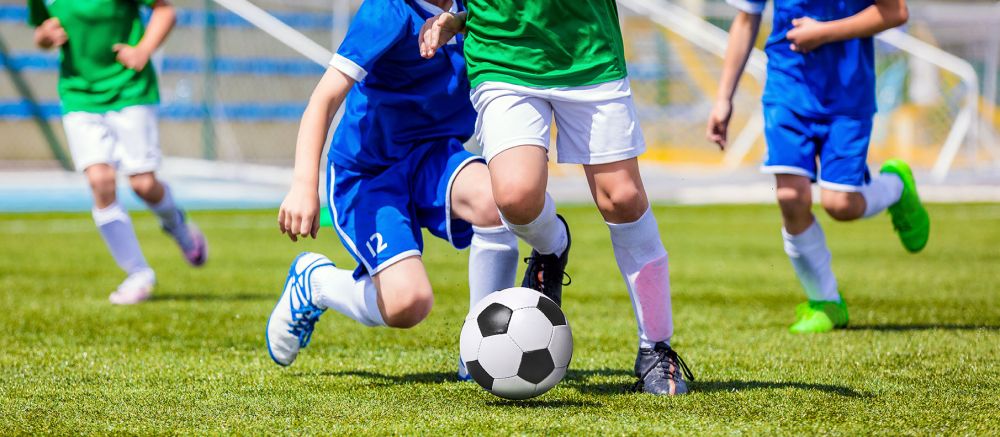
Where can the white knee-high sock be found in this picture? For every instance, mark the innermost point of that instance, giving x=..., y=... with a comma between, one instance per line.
x=881, y=193
x=811, y=259
x=355, y=298
x=492, y=261
x=643, y=263
x=546, y=233
x=116, y=228
x=172, y=220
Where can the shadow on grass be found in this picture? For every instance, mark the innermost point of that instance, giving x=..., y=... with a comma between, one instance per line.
x=541, y=403
x=205, y=297
x=924, y=327
x=739, y=385
x=619, y=381
x=383, y=379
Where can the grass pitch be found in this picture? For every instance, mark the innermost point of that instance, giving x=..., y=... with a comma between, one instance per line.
x=921, y=357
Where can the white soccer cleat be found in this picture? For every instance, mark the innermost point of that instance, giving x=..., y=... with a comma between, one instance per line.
x=292, y=320
x=136, y=288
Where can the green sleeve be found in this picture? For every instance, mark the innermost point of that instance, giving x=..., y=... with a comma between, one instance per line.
x=37, y=12
x=148, y=3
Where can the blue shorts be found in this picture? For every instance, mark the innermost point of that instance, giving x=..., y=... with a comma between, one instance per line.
x=795, y=142
x=379, y=213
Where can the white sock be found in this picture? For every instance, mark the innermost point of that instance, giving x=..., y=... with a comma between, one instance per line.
x=643, y=263
x=355, y=298
x=116, y=228
x=811, y=259
x=546, y=233
x=172, y=220
x=492, y=261
x=881, y=193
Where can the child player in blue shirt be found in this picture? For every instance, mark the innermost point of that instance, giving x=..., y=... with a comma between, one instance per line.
x=818, y=106
x=396, y=165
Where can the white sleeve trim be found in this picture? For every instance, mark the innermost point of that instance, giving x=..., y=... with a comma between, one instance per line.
x=348, y=67
x=747, y=6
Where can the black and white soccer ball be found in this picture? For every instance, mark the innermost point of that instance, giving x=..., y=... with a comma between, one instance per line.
x=516, y=343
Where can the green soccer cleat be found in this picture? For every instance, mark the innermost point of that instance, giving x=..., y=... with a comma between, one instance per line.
x=817, y=316
x=909, y=217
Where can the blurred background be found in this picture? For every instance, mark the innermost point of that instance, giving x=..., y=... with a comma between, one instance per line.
x=234, y=81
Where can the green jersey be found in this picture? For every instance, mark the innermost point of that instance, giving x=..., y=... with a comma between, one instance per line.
x=90, y=77
x=544, y=43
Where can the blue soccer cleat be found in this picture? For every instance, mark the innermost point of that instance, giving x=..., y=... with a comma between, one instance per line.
x=291, y=323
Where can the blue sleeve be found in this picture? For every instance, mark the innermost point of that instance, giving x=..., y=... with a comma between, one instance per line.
x=378, y=25
x=755, y=7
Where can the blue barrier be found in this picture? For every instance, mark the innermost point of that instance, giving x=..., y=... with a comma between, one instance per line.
x=49, y=62
x=246, y=112
x=310, y=21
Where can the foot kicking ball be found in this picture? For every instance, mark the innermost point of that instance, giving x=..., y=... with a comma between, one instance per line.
x=516, y=343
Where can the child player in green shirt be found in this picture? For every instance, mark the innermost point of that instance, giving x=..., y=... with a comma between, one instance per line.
x=530, y=62
x=109, y=95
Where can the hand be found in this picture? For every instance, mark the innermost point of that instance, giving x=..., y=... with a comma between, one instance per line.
x=50, y=34
x=718, y=123
x=807, y=35
x=437, y=31
x=133, y=58
x=299, y=213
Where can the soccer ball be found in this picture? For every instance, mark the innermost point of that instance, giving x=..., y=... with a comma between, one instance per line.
x=516, y=343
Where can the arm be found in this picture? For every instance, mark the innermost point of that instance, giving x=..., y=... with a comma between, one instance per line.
x=809, y=34
x=742, y=35
x=160, y=23
x=437, y=31
x=299, y=213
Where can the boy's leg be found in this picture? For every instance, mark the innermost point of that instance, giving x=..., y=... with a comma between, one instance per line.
x=137, y=137
x=850, y=194
x=513, y=127
x=599, y=128
x=398, y=296
x=116, y=229
x=642, y=260
x=92, y=144
x=493, y=249
x=805, y=245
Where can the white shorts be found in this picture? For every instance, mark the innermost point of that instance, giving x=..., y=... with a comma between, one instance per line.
x=597, y=124
x=127, y=139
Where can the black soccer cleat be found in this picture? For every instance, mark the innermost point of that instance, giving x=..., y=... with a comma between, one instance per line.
x=545, y=273
x=660, y=371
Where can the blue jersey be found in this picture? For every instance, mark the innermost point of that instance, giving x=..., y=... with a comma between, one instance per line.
x=400, y=100
x=835, y=79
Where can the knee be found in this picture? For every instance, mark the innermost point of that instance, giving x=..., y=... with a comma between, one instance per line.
x=623, y=203
x=143, y=184
x=840, y=208
x=794, y=201
x=520, y=203
x=409, y=308
x=102, y=181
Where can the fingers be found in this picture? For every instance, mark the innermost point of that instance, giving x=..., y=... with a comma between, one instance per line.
x=305, y=225
x=797, y=21
x=315, y=227
x=115, y=48
x=281, y=220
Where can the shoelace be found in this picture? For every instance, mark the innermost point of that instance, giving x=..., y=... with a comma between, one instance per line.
x=304, y=317
x=303, y=322
x=663, y=354
x=540, y=262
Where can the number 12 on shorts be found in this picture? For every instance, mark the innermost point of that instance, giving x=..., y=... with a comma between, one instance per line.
x=379, y=246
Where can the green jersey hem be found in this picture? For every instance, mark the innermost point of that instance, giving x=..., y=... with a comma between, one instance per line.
x=543, y=82
x=116, y=106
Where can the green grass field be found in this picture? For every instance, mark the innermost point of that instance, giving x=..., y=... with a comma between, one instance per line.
x=922, y=355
